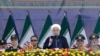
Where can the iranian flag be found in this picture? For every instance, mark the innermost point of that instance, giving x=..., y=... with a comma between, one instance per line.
x=79, y=29
x=10, y=29
x=46, y=32
x=65, y=29
x=27, y=31
x=97, y=28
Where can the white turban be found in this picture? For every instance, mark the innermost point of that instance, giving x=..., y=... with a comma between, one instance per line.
x=56, y=25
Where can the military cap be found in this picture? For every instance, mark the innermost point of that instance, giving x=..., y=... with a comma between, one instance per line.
x=80, y=37
x=94, y=36
x=2, y=42
x=14, y=36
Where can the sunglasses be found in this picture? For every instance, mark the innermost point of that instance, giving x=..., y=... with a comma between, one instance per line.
x=79, y=40
x=33, y=40
x=13, y=39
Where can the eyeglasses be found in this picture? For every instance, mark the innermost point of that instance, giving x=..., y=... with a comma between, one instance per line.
x=79, y=40
x=13, y=39
x=33, y=40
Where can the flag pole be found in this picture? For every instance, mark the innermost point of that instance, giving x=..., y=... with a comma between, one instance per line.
x=10, y=12
x=80, y=12
x=49, y=12
x=65, y=13
x=27, y=12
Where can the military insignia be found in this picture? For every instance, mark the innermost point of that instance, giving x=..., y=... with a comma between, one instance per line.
x=2, y=41
x=93, y=36
x=80, y=37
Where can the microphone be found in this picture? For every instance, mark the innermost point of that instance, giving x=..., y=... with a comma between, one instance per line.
x=56, y=36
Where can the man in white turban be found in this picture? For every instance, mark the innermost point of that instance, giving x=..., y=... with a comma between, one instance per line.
x=56, y=41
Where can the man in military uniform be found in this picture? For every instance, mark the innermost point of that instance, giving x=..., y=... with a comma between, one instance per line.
x=94, y=42
x=56, y=40
x=80, y=45
x=14, y=43
x=3, y=45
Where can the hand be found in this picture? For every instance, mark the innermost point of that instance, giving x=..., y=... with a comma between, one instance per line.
x=50, y=40
x=27, y=45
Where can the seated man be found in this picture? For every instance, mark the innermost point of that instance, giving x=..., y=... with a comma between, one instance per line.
x=2, y=45
x=94, y=42
x=33, y=44
x=80, y=43
x=14, y=43
x=56, y=40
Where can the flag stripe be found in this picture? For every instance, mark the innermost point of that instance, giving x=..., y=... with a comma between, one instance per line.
x=64, y=26
x=46, y=32
x=47, y=25
x=27, y=31
x=97, y=27
x=10, y=27
x=26, y=25
x=65, y=29
x=77, y=28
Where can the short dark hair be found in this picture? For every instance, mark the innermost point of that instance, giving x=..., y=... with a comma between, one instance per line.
x=34, y=36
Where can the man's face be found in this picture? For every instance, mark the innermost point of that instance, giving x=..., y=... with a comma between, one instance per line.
x=95, y=40
x=55, y=31
x=0, y=46
x=14, y=42
x=80, y=42
x=3, y=46
x=34, y=41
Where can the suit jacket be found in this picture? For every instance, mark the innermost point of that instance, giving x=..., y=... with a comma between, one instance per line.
x=58, y=42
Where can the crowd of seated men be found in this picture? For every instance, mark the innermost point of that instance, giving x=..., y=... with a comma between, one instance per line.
x=54, y=41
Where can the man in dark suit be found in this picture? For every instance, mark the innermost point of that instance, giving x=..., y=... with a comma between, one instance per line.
x=56, y=41
x=14, y=42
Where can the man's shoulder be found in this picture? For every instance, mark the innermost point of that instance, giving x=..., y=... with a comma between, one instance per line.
x=61, y=36
x=50, y=37
x=8, y=49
